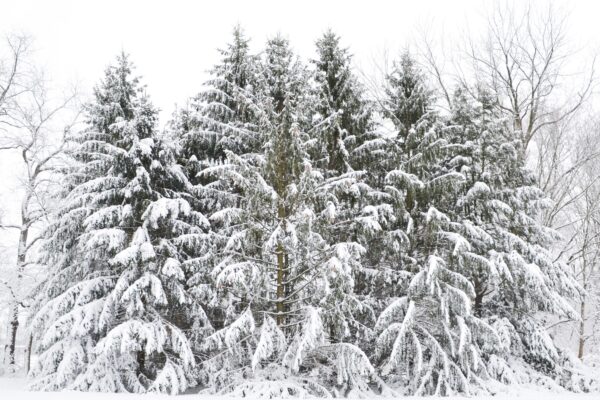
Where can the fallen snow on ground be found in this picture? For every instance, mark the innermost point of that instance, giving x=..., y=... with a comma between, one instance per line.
x=16, y=389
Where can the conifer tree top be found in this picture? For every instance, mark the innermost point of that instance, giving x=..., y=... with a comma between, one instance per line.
x=115, y=94
x=408, y=96
x=234, y=59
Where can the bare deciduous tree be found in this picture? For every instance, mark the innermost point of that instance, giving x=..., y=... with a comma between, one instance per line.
x=522, y=59
x=14, y=76
x=35, y=130
x=567, y=170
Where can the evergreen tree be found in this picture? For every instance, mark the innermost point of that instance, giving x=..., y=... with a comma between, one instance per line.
x=117, y=305
x=427, y=334
x=359, y=210
x=407, y=96
x=512, y=270
x=223, y=117
x=343, y=114
x=470, y=207
x=287, y=291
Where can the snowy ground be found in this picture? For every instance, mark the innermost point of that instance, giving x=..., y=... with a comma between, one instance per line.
x=15, y=389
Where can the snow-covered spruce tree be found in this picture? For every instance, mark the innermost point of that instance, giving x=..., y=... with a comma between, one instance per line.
x=517, y=282
x=286, y=290
x=222, y=117
x=343, y=116
x=359, y=210
x=429, y=340
x=115, y=309
x=478, y=269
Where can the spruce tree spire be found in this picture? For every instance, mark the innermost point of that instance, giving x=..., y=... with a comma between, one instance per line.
x=344, y=115
x=223, y=117
x=408, y=97
x=115, y=93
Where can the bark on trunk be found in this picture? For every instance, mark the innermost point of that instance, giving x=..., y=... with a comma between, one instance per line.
x=280, y=274
x=14, y=324
x=29, y=347
x=580, y=351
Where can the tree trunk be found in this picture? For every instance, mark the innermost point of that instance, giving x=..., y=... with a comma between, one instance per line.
x=280, y=274
x=29, y=347
x=281, y=168
x=14, y=326
x=580, y=351
x=14, y=323
x=480, y=292
x=584, y=270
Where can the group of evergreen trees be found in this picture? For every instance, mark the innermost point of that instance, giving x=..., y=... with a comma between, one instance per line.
x=276, y=238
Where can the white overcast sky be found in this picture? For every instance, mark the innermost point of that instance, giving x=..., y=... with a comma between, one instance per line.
x=173, y=43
